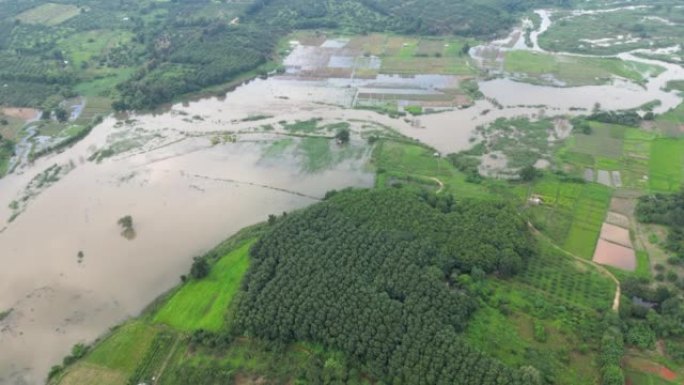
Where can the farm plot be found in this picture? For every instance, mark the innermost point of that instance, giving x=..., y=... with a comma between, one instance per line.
x=666, y=166
x=571, y=213
x=49, y=14
x=568, y=281
x=114, y=359
x=202, y=304
x=590, y=211
x=616, y=255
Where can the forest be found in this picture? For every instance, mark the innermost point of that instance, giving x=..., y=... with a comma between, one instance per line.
x=383, y=276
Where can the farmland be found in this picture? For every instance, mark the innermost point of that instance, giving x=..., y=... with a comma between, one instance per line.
x=572, y=71
x=666, y=167
x=49, y=14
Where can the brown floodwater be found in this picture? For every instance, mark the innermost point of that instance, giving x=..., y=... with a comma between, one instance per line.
x=187, y=188
x=185, y=195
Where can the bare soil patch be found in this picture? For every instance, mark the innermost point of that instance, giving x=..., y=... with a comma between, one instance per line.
x=616, y=234
x=612, y=254
x=652, y=367
x=617, y=219
x=20, y=113
x=624, y=206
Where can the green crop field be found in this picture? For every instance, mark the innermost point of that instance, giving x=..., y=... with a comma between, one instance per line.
x=49, y=14
x=202, y=304
x=572, y=213
x=588, y=215
x=576, y=71
x=666, y=167
x=123, y=350
x=568, y=281
x=114, y=359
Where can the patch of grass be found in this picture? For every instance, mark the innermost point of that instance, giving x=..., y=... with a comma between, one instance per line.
x=430, y=65
x=304, y=126
x=509, y=325
x=415, y=164
x=202, y=304
x=103, y=83
x=672, y=122
x=643, y=269
x=83, y=47
x=676, y=85
x=277, y=148
x=666, y=166
x=522, y=140
x=124, y=348
x=574, y=70
x=605, y=140
x=317, y=154
x=49, y=14
x=84, y=373
x=613, y=32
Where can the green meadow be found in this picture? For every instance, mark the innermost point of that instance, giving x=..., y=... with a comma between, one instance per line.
x=202, y=304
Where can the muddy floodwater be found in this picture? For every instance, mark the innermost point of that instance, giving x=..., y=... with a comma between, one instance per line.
x=197, y=173
x=185, y=194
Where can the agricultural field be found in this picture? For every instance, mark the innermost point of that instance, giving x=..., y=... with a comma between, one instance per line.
x=115, y=358
x=571, y=213
x=671, y=123
x=202, y=304
x=49, y=14
x=574, y=71
x=544, y=318
x=666, y=165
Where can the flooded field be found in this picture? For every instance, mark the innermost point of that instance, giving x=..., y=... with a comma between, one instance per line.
x=70, y=274
x=612, y=254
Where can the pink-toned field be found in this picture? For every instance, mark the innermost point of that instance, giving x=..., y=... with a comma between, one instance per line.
x=612, y=254
x=21, y=113
x=616, y=234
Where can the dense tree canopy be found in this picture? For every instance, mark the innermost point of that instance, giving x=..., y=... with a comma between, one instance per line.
x=667, y=210
x=380, y=275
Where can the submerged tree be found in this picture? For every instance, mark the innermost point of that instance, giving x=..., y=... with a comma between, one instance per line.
x=342, y=136
x=126, y=224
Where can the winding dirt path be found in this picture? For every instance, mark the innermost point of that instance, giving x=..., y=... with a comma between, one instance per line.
x=600, y=268
x=440, y=183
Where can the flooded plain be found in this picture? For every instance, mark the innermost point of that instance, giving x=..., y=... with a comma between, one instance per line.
x=195, y=174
